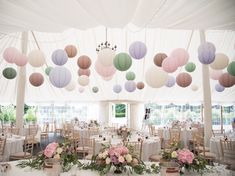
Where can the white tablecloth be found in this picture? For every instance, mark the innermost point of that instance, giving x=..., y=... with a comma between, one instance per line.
x=13, y=145
x=150, y=146
x=217, y=171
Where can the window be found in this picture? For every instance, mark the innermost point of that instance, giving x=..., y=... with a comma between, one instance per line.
x=120, y=110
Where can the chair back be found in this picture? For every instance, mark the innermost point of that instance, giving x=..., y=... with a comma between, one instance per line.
x=45, y=128
x=88, y=143
x=93, y=131
x=135, y=148
x=14, y=130
x=33, y=130
x=28, y=145
x=218, y=132
x=175, y=135
x=2, y=146
x=228, y=149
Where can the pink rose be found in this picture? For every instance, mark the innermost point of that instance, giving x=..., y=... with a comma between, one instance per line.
x=185, y=156
x=50, y=149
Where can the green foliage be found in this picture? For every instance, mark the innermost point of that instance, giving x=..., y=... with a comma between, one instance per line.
x=30, y=115
x=7, y=113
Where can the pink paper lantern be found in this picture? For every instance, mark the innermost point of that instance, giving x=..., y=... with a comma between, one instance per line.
x=215, y=74
x=21, y=60
x=10, y=54
x=84, y=72
x=107, y=78
x=184, y=79
x=181, y=56
x=103, y=70
x=169, y=65
x=227, y=80
x=36, y=79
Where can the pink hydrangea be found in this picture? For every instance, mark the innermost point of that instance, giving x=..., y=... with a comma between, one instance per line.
x=185, y=156
x=50, y=149
x=117, y=151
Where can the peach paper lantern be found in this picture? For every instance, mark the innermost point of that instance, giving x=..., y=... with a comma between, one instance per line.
x=158, y=59
x=227, y=80
x=86, y=72
x=184, y=79
x=71, y=51
x=36, y=79
x=140, y=85
x=221, y=61
x=84, y=62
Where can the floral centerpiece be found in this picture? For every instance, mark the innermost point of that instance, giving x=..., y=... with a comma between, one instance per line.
x=124, y=132
x=63, y=152
x=93, y=123
x=121, y=159
x=186, y=159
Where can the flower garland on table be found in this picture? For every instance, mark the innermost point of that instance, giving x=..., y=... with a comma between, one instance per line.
x=63, y=152
x=120, y=158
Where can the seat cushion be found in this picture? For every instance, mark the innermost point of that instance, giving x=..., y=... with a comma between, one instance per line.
x=21, y=155
x=155, y=158
x=200, y=148
x=208, y=155
x=82, y=149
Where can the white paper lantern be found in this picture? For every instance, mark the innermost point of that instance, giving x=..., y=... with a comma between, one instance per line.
x=221, y=61
x=83, y=80
x=194, y=87
x=155, y=77
x=60, y=76
x=106, y=56
x=36, y=58
x=71, y=86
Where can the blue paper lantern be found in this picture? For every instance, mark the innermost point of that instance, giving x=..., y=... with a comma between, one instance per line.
x=117, y=88
x=59, y=57
x=130, y=86
x=206, y=53
x=219, y=88
x=137, y=50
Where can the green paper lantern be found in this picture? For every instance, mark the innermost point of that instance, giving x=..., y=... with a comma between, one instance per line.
x=130, y=76
x=95, y=89
x=231, y=68
x=9, y=73
x=190, y=67
x=48, y=70
x=122, y=61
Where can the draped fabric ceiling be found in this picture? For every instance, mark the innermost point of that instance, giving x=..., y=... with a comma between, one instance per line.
x=162, y=25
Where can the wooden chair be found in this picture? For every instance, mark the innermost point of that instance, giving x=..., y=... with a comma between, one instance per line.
x=174, y=137
x=27, y=150
x=14, y=130
x=135, y=147
x=44, y=136
x=33, y=130
x=2, y=148
x=228, y=153
x=202, y=150
x=218, y=132
x=93, y=131
x=87, y=148
x=57, y=130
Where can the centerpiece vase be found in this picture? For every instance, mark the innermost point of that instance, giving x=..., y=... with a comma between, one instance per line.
x=52, y=167
x=117, y=169
x=167, y=168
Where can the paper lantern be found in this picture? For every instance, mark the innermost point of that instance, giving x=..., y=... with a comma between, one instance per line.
x=95, y=89
x=59, y=57
x=130, y=86
x=190, y=67
x=21, y=60
x=170, y=81
x=122, y=61
x=83, y=80
x=84, y=62
x=158, y=59
x=184, y=79
x=106, y=56
x=117, y=88
x=130, y=75
x=215, y=74
x=227, y=80
x=36, y=79
x=194, y=87
x=104, y=71
x=231, y=68
x=169, y=65
x=137, y=50
x=140, y=85
x=10, y=54
x=71, y=51
x=36, y=58
x=219, y=88
x=107, y=78
x=9, y=73
x=60, y=76
x=48, y=70
x=221, y=61
x=155, y=77
x=206, y=53
x=180, y=55
x=81, y=89
x=84, y=72
x=71, y=86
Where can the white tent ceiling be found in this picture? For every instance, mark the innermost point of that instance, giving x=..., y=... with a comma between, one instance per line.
x=127, y=21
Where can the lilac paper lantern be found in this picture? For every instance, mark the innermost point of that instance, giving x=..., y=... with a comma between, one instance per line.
x=81, y=89
x=206, y=53
x=59, y=57
x=219, y=88
x=104, y=71
x=60, y=77
x=10, y=54
x=170, y=81
x=169, y=65
x=21, y=60
x=180, y=55
x=137, y=50
x=130, y=86
x=117, y=88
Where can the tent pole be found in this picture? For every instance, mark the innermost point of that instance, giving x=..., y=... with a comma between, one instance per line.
x=206, y=97
x=21, y=86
